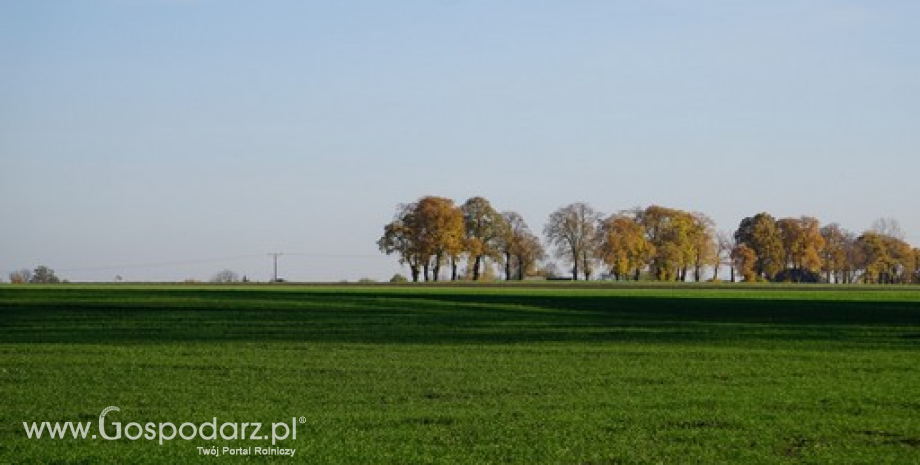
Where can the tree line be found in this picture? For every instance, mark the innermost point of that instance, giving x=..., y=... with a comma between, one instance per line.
x=655, y=243
x=435, y=232
x=41, y=275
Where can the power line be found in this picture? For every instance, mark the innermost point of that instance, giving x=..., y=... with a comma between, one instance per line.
x=275, y=256
x=127, y=266
x=331, y=255
x=121, y=267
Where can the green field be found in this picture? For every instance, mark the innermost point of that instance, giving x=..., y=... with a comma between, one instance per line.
x=554, y=374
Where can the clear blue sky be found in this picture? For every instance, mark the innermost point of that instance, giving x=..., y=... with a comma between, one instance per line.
x=145, y=132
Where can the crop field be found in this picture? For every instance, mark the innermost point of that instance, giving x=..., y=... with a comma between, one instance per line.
x=420, y=374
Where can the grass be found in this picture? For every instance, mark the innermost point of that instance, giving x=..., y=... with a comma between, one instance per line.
x=516, y=374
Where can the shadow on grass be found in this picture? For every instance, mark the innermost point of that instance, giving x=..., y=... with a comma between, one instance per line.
x=157, y=315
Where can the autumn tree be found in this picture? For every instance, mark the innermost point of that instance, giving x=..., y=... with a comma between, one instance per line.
x=624, y=247
x=521, y=249
x=902, y=264
x=886, y=259
x=22, y=276
x=745, y=260
x=807, y=253
x=398, y=238
x=802, y=247
x=673, y=233
x=425, y=234
x=899, y=272
x=528, y=255
x=877, y=258
x=703, y=249
x=573, y=230
x=439, y=228
x=762, y=236
x=834, y=253
x=911, y=265
x=485, y=229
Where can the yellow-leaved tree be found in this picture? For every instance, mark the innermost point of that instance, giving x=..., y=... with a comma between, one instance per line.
x=624, y=247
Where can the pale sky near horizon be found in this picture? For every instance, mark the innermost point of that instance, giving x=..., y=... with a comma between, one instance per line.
x=171, y=139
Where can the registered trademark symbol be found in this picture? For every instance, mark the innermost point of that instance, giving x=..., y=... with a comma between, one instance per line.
x=303, y=420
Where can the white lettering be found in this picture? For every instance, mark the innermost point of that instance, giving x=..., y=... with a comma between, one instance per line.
x=258, y=427
x=171, y=436
x=224, y=435
x=213, y=426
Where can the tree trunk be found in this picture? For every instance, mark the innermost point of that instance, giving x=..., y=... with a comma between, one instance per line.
x=414, y=271
x=425, y=269
x=476, y=267
x=575, y=269
x=453, y=268
x=507, y=266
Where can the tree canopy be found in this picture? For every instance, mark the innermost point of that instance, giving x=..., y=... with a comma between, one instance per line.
x=654, y=242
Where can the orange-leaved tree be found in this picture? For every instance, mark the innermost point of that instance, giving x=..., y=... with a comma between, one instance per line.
x=425, y=234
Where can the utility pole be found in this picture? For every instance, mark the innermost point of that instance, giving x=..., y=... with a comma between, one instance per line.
x=275, y=268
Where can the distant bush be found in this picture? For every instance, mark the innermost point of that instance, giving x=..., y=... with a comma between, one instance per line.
x=398, y=279
x=20, y=277
x=226, y=276
x=44, y=275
